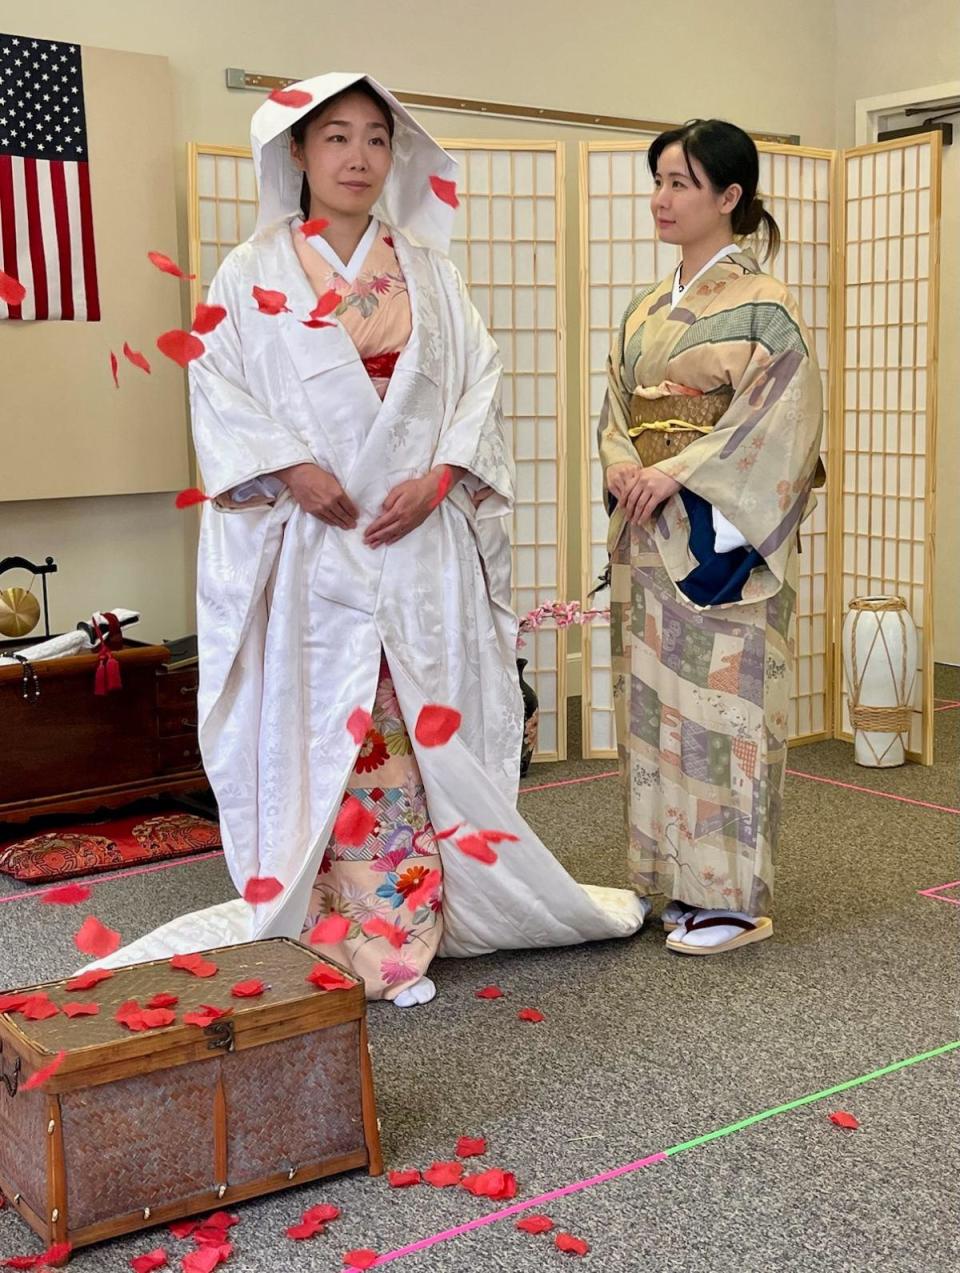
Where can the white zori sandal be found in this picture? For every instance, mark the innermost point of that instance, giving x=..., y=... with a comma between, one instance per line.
x=715, y=932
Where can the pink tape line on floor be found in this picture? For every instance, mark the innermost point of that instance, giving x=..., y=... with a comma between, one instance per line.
x=936, y=892
x=870, y=791
x=93, y=881
x=528, y=1205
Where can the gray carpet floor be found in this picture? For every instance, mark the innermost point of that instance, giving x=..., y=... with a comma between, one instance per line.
x=642, y=1051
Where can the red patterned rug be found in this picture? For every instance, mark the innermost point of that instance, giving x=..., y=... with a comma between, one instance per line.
x=86, y=848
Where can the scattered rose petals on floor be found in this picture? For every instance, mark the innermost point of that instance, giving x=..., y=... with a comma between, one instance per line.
x=251, y=989
x=571, y=1245
x=359, y=724
x=446, y=191
x=470, y=1147
x=87, y=980
x=535, y=1224
x=164, y=264
x=354, y=824
x=305, y=1230
x=324, y=1212
x=258, y=891
x=444, y=1174
x=294, y=97
x=207, y=318
x=530, y=1014
x=488, y=992
x=81, y=1009
x=94, y=938
x=842, y=1119
x=66, y=895
x=404, y=1179
x=183, y=1228
x=500, y=1186
x=206, y=1259
x=436, y=725
x=41, y=1076
x=180, y=347
x=151, y=1260
x=362, y=1258
x=330, y=930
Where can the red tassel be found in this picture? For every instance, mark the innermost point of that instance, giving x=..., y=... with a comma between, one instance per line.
x=100, y=677
x=114, y=681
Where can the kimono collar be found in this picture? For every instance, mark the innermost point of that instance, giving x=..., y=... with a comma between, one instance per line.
x=409, y=202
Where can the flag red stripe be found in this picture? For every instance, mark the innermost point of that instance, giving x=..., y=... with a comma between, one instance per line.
x=9, y=229
x=37, y=258
x=62, y=219
x=89, y=251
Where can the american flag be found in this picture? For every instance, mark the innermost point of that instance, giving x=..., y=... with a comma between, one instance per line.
x=46, y=217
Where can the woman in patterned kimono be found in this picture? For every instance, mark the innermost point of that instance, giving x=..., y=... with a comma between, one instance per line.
x=354, y=570
x=709, y=440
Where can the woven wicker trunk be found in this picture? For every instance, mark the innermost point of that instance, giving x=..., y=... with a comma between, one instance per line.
x=138, y=1129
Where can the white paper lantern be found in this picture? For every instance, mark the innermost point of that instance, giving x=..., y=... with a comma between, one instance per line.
x=880, y=661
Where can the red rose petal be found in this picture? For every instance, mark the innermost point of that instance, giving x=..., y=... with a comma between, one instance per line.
x=316, y=226
x=571, y=1245
x=305, y=1229
x=359, y=724
x=183, y=1228
x=68, y=895
x=377, y=926
x=195, y=964
x=114, y=368
x=134, y=356
x=444, y=1174
x=221, y=1220
x=87, y=980
x=316, y=323
x=192, y=495
x=38, y=1007
x=206, y=318
x=499, y=837
x=470, y=1147
x=354, y=823
x=388, y=240
x=262, y=890
x=436, y=725
x=12, y=290
x=841, y=1119
x=498, y=1185
x=81, y=1009
x=164, y=263
x=530, y=1014
x=327, y=303
x=290, y=97
x=94, y=938
x=155, y=1259
x=425, y=890
x=53, y=1257
x=163, y=1000
x=181, y=347
x=157, y=1018
x=329, y=931
x=363, y=1258
x=325, y=978
x=41, y=1076
x=206, y=1259
x=324, y=1212
x=450, y=831
x=13, y=1002
x=205, y=1015
x=251, y=989
x=473, y=846
x=404, y=1179
x=488, y=992
x=535, y=1224
x=269, y=302
x=446, y=191
x=443, y=487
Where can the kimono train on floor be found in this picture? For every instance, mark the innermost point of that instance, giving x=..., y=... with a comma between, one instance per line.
x=301, y=623
x=703, y=636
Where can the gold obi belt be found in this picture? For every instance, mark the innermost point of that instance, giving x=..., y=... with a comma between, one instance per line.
x=663, y=427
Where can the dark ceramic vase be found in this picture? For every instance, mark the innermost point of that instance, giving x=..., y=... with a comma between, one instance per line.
x=531, y=720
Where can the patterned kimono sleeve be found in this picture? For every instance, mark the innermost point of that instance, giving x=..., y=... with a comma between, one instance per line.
x=613, y=432
x=237, y=441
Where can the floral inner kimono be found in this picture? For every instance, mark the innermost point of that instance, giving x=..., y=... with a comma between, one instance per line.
x=377, y=877
x=702, y=639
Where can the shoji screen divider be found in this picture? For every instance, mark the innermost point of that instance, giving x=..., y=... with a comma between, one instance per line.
x=887, y=318
x=509, y=244
x=620, y=255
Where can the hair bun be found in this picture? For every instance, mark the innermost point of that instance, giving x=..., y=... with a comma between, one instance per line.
x=749, y=223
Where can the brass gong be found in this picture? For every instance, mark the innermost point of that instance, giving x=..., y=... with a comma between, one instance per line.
x=19, y=612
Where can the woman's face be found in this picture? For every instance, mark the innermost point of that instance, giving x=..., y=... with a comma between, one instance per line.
x=684, y=212
x=346, y=156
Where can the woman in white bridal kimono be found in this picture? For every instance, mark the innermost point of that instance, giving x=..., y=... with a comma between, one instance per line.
x=355, y=555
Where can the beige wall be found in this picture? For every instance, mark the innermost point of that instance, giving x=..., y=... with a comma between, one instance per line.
x=886, y=47
x=623, y=57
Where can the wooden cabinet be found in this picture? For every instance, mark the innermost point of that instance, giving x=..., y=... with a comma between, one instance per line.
x=68, y=750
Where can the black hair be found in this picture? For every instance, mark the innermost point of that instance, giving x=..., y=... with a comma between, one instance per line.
x=729, y=157
x=298, y=131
